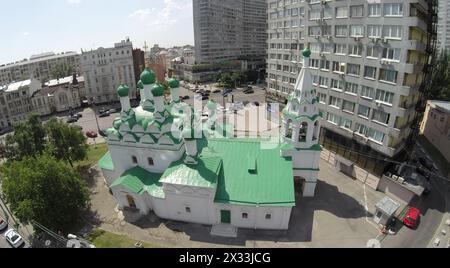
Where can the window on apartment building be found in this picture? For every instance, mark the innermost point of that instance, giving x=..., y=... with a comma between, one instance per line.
x=353, y=69
x=351, y=88
x=363, y=111
x=335, y=102
x=323, y=81
x=356, y=11
x=395, y=10
x=370, y=72
x=341, y=12
x=384, y=96
x=391, y=53
x=332, y=118
x=356, y=30
x=337, y=85
x=341, y=30
x=372, y=52
x=388, y=75
x=380, y=116
x=327, y=12
x=392, y=31
x=376, y=135
x=348, y=106
x=339, y=67
x=346, y=123
x=374, y=10
x=323, y=98
x=361, y=129
x=315, y=13
x=314, y=63
x=315, y=79
x=374, y=31
x=340, y=49
x=316, y=47
x=325, y=65
x=134, y=159
x=355, y=50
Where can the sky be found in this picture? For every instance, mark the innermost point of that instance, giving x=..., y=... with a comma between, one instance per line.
x=36, y=26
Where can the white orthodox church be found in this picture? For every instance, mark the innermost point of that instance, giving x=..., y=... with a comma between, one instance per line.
x=163, y=159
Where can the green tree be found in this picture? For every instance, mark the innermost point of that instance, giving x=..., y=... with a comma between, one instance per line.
x=28, y=139
x=440, y=87
x=62, y=70
x=44, y=190
x=65, y=142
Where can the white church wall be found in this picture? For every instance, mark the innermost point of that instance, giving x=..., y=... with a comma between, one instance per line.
x=121, y=192
x=199, y=201
x=256, y=216
x=306, y=159
x=123, y=161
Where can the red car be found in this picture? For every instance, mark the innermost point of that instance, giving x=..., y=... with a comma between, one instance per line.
x=412, y=217
x=91, y=134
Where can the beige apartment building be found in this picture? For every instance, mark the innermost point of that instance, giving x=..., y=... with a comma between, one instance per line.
x=436, y=126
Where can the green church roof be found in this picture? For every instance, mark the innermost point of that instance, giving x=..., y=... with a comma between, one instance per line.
x=123, y=91
x=157, y=91
x=139, y=180
x=148, y=77
x=174, y=83
x=106, y=162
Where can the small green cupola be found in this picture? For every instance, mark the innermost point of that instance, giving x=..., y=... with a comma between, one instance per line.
x=173, y=83
x=306, y=52
x=140, y=85
x=148, y=77
x=123, y=91
x=157, y=90
x=211, y=105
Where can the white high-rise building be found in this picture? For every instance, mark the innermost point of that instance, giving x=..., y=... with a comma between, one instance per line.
x=444, y=25
x=367, y=65
x=229, y=30
x=38, y=66
x=105, y=69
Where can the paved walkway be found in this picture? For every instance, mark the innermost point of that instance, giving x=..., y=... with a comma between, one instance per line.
x=336, y=217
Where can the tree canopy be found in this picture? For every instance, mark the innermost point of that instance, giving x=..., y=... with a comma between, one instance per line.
x=62, y=70
x=45, y=190
x=440, y=88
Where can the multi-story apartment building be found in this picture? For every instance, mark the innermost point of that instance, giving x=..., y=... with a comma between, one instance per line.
x=368, y=60
x=38, y=66
x=444, y=25
x=229, y=30
x=105, y=69
x=15, y=101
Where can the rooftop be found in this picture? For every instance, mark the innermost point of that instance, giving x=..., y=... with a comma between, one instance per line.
x=442, y=104
x=139, y=180
x=388, y=206
x=16, y=86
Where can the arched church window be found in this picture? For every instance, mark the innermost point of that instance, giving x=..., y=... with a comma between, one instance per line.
x=289, y=129
x=316, y=131
x=303, y=132
x=150, y=161
x=305, y=109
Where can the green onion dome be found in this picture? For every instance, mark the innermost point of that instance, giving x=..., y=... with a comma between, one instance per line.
x=306, y=53
x=148, y=77
x=123, y=91
x=174, y=83
x=140, y=85
x=157, y=91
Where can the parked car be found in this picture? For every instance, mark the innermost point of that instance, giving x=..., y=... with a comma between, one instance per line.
x=3, y=224
x=205, y=97
x=256, y=103
x=72, y=119
x=102, y=110
x=14, y=238
x=113, y=111
x=91, y=134
x=412, y=217
x=227, y=91
x=105, y=114
x=217, y=91
x=185, y=97
x=426, y=163
x=249, y=92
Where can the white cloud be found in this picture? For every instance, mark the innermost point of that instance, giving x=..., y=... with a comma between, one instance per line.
x=166, y=16
x=26, y=34
x=74, y=2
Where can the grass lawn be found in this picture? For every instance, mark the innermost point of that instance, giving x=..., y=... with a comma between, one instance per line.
x=441, y=162
x=94, y=155
x=104, y=239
